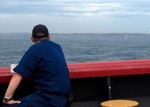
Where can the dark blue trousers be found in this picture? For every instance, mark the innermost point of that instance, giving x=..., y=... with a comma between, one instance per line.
x=36, y=100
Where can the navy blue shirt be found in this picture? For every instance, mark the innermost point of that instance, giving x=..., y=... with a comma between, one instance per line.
x=46, y=64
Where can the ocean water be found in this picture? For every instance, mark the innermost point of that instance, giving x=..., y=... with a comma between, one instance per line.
x=80, y=47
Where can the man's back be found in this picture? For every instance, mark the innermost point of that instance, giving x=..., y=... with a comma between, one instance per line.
x=51, y=72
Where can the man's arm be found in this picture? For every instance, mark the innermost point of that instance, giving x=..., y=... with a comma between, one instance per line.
x=15, y=81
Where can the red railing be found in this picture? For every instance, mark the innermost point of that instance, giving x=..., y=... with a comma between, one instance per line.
x=96, y=69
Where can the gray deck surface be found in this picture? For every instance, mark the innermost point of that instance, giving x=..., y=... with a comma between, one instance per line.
x=143, y=102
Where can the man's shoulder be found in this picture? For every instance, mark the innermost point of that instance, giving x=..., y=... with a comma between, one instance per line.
x=42, y=45
x=52, y=43
x=34, y=47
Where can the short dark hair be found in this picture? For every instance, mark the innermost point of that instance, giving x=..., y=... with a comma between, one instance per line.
x=40, y=31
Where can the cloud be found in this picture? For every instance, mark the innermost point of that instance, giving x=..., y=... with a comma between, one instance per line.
x=75, y=15
x=76, y=7
x=90, y=9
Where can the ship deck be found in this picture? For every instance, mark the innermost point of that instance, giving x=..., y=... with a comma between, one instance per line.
x=143, y=102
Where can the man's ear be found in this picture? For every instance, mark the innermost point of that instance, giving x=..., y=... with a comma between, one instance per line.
x=49, y=37
x=32, y=39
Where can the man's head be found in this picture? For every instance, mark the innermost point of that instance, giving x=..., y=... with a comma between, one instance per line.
x=39, y=33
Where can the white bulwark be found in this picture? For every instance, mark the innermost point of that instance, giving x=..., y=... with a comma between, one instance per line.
x=12, y=66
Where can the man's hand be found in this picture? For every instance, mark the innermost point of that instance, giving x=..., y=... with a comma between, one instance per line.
x=11, y=102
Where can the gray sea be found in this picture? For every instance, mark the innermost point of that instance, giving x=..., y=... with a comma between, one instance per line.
x=80, y=47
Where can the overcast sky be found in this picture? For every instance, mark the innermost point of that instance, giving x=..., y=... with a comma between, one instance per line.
x=76, y=16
